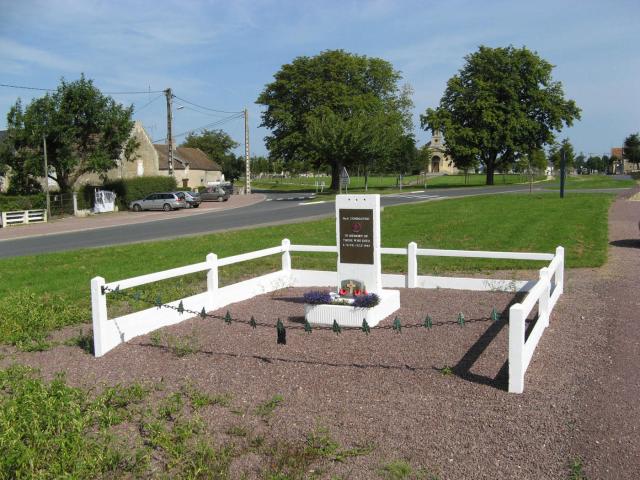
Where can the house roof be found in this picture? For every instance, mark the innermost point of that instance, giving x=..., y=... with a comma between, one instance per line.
x=194, y=157
x=617, y=152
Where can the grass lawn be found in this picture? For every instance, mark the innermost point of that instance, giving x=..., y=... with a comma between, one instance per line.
x=591, y=181
x=382, y=183
x=44, y=292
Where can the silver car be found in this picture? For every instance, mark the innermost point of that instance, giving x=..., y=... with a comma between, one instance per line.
x=159, y=201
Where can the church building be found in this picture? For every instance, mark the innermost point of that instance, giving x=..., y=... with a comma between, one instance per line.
x=440, y=161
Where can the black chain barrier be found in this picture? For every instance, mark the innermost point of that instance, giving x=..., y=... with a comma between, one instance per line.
x=281, y=331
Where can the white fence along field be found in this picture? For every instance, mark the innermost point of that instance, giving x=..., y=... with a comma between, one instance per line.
x=110, y=332
x=23, y=217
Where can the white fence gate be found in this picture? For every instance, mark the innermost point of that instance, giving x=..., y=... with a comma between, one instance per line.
x=23, y=217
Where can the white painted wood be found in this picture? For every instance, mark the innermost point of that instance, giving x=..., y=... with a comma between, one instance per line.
x=516, y=348
x=99, y=315
x=544, y=309
x=314, y=278
x=286, y=256
x=23, y=217
x=212, y=281
x=412, y=265
x=156, y=277
x=313, y=248
x=480, y=254
x=393, y=251
x=249, y=256
x=532, y=342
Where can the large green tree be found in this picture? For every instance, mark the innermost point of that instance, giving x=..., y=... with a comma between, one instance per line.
x=502, y=104
x=632, y=149
x=218, y=145
x=337, y=109
x=85, y=131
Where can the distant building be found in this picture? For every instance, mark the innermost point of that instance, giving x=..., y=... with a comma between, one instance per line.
x=623, y=165
x=4, y=180
x=440, y=162
x=191, y=166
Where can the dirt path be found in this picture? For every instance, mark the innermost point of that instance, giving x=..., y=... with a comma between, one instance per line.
x=608, y=430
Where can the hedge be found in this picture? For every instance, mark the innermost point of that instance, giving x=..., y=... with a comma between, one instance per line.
x=9, y=203
x=128, y=190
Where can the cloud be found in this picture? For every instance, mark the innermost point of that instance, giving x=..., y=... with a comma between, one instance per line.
x=16, y=54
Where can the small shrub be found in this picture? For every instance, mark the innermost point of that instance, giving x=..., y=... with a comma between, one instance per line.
x=10, y=203
x=238, y=431
x=82, y=340
x=267, y=408
x=396, y=470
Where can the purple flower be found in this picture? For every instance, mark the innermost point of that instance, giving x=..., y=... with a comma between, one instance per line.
x=317, y=298
x=366, y=301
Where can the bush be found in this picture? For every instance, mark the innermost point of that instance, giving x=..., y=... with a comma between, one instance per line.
x=10, y=203
x=130, y=189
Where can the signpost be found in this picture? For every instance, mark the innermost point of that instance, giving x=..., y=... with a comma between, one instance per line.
x=344, y=180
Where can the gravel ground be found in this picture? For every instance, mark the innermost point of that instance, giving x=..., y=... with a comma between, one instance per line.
x=388, y=389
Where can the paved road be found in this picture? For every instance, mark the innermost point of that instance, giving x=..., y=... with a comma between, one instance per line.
x=279, y=208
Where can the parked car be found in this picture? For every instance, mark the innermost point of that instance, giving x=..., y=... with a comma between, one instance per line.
x=159, y=201
x=214, y=194
x=192, y=198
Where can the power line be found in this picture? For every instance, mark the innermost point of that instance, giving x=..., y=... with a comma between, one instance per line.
x=23, y=87
x=209, y=125
x=148, y=103
x=204, y=108
x=198, y=111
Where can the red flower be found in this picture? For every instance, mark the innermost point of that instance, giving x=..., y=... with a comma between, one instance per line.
x=342, y=291
x=357, y=292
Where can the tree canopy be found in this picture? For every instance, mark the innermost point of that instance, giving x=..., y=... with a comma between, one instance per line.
x=337, y=109
x=502, y=104
x=558, y=150
x=632, y=149
x=218, y=145
x=86, y=132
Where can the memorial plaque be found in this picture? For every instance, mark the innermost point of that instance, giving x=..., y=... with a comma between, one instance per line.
x=356, y=236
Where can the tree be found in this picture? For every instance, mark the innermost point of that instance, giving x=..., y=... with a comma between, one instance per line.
x=632, y=149
x=557, y=150
x=324, y=109
x=86, y=132
x=502, y=104
x=218, y=145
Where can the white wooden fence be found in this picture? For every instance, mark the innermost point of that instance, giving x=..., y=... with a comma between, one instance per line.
x=109, y=333
x=21, y=217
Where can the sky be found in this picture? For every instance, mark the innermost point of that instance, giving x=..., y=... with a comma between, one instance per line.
x=221, y=54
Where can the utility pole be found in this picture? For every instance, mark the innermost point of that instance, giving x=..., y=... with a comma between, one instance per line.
x=247, y=159
x=169, y=96
x=562, y=173
x=46, y=176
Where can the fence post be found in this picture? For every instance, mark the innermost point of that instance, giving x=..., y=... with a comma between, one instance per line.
x=412, y=265
x=286, y=256
x=516, y=348
x=544, y=310
x=25, y=217
x=99, y=314
x=560, y=271
x=75, y=204
x=4, y=219
x=212, y=280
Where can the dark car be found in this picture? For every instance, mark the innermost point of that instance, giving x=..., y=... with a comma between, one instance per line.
x=158, y=201
x=214, y=194
x=192, y=198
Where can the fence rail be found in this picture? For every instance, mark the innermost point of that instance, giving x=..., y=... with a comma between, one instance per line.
x=23, y=217
x=108, y=333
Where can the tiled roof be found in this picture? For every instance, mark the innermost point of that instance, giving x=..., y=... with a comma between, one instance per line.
x=182, y=156
x=617, y=151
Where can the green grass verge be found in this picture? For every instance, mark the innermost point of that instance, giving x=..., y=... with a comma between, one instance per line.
x=385, y=183
x=591, y=181
x=45, y=292
x=53, y=430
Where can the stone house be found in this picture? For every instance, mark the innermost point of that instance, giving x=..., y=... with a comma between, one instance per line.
x=623, y=165
x=191, y=166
